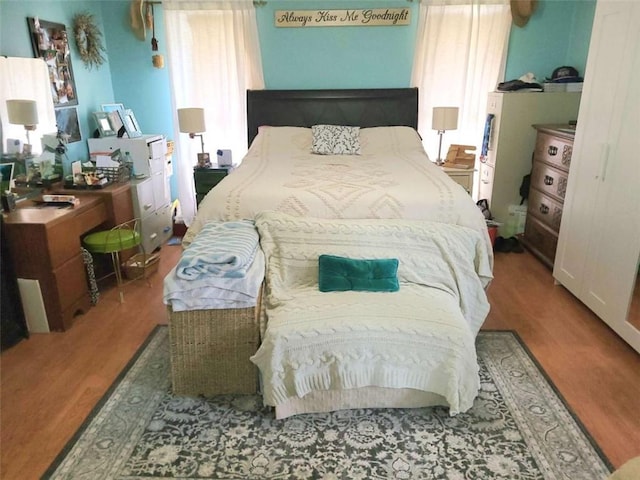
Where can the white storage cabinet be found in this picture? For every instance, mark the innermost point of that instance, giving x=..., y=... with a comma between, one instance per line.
x=150, y=189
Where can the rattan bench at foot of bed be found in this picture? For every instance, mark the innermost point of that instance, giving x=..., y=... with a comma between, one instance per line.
x=210, y=350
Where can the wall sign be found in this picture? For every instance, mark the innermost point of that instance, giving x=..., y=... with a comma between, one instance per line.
x=343, y=18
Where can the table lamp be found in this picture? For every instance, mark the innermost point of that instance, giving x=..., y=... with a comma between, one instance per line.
x=191, y=121
x=444, y=118
x=25, y=113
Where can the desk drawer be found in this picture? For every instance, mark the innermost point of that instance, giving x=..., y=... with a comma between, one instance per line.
x=64, y=238
x=71, y=281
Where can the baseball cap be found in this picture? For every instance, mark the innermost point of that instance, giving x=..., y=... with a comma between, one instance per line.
x=565, y=75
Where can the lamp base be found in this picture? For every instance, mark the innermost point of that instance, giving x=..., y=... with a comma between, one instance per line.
x=439, y=161
x=204, y=161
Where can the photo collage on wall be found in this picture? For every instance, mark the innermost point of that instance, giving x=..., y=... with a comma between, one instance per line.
x=50, y=42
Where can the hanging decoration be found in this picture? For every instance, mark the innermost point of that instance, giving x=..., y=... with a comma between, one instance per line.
x=88, y=40
x=157, y=59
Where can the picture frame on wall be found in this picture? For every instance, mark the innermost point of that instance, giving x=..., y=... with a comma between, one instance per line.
x=131, y=126
x=67, y=121
x=50, y=42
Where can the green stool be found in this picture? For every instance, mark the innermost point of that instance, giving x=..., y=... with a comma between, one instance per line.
x=122, y=237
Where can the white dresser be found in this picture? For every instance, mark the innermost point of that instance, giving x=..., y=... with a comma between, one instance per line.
x=150, y=189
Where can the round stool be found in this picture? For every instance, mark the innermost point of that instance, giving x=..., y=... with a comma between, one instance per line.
x=122, y=237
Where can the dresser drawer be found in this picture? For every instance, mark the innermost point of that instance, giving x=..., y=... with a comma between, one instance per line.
x=549, y=180
x=541, y=240
x=545, y=209
x=553, y=150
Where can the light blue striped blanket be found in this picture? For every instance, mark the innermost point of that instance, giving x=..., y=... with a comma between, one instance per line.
x=222, y=249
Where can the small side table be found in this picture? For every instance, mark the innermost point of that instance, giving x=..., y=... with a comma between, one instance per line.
x=207, y=178
x=462, y=176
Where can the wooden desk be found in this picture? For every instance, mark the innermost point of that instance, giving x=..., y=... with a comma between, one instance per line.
x=45, y=244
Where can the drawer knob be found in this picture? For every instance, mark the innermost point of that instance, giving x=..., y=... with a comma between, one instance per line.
x=544, y=209
x=548, y=180
x=552, y=151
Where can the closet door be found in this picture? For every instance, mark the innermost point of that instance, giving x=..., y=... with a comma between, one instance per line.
x=599, y=243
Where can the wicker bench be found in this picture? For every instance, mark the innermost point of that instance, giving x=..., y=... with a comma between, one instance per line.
x=210, y=350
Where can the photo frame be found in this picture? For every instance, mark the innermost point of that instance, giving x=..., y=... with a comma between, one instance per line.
x=112, y=110
x=6, y=177
x=67, y=122
x=131, y=126
x=111, y=107
x=104, y=124
x=50, y=42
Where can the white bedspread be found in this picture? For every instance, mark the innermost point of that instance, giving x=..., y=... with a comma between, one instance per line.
x=420, y=337
x=392, y=179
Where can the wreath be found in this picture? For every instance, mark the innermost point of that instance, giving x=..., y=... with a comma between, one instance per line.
x=88, y=39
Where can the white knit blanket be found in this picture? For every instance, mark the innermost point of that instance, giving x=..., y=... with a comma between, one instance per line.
x=420, y=337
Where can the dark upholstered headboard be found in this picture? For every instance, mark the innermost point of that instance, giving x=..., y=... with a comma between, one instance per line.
x=305, y=108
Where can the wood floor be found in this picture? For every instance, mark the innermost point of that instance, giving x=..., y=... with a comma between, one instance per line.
x=51, y=382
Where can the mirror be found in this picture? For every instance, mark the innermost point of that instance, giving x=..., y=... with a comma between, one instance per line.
x=634, y=309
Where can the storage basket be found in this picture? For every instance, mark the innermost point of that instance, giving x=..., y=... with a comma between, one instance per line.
x=210, y=350
x=134, y=266
x=114, y=174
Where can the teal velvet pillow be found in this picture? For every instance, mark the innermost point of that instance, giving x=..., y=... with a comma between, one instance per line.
x=338, y=274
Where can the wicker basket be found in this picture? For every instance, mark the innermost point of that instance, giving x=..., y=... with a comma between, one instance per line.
x=210, y=350
x=139, y=263
x=114, y=174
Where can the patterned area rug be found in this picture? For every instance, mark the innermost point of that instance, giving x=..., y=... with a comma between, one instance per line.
x=518, y=428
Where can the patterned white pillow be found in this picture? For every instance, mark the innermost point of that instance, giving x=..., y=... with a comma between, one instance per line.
x=335, y=140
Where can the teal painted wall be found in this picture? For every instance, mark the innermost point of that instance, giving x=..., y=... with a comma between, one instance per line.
x=557, y=34
x=336, y=57
x=321, y=57
x=136, y=82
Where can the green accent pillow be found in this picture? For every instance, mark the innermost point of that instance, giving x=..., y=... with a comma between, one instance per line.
x=338, y=274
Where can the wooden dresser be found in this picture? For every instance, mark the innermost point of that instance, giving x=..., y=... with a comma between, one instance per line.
x=551, y=161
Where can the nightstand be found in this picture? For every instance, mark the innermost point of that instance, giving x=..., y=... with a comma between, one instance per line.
x=462, y=176
x=207, y=178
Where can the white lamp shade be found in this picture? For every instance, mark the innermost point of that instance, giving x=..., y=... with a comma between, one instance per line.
x=22, y=112
x=444, y=118
x=191, y=120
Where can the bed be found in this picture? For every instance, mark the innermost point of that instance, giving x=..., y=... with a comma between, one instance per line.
x=405, y=207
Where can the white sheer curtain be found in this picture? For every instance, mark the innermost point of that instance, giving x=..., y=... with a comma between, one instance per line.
x=214, y=57
x=460, y=54
x=26, y=78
